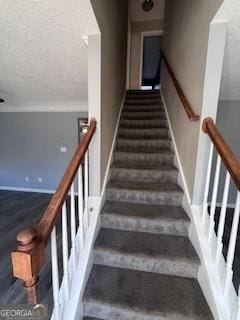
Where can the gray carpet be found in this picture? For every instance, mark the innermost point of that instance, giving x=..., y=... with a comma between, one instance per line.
x=145, y=267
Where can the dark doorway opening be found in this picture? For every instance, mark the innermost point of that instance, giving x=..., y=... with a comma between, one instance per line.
x=151, y=66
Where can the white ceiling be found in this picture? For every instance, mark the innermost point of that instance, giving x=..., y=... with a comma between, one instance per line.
x=43, y=59
x=230, y=86
x=137, y=13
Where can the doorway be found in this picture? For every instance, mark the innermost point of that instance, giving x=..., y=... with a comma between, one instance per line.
x=151, y=63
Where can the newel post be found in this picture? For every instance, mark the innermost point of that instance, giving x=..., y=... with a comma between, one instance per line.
x=27, y=260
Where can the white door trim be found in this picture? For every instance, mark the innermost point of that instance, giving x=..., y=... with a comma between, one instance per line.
x=143, y=35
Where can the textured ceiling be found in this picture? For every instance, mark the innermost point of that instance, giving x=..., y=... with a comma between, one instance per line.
x=230, y=86
x=137, y=14
x=43, y=59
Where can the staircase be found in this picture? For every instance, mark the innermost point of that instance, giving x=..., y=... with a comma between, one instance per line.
x=145, y=266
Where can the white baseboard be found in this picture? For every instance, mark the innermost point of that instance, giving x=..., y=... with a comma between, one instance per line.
x=182, y=180
x=7, y=188
x=106, y=178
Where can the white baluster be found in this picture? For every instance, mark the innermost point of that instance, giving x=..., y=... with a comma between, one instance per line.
x=207, y=184
x=221, y=223
x=65, y=251
x=238, y=305
x=232, y=245
x=73, y=226
x=86, y=190
x=80, y=206
x=214, y=199
x=55, y=276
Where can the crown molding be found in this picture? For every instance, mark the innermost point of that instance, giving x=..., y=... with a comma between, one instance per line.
x=81, y=107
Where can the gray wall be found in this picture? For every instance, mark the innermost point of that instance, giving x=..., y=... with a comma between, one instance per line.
x=186, y=31
x=30, y=146
x=112, y=17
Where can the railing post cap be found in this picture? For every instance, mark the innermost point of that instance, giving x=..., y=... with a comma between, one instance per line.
x=26, y=238
x=205, y=122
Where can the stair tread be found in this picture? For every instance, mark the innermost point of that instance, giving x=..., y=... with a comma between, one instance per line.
x=143, y=149
x=174, y=248
x=143, y=166
x=145, y=186
x=145, y=294
x=145, y=211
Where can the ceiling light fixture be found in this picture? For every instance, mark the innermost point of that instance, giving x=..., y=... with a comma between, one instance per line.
x=147, y=5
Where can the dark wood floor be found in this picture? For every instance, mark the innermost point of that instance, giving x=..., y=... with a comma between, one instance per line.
x=18, y=210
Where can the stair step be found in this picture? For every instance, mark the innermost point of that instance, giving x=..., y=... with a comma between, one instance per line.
x=170, y=220
x=143, y=96
x=153, y=123
x=144, y=102
x=144, y=192
x=140, y=91
x=143, y=115
x=172, y=255
x=90, y=318
x=165, y=157
x=143, y=143
x=143, y=133
x=114, y=293
x=143, y=149
x=125, y=171
x=143, y=108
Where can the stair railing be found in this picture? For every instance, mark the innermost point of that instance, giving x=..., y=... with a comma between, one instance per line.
x=186, y=104
x=214, y=232
x=29, y=256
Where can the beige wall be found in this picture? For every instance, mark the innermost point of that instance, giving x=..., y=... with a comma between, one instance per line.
x=186, y=31
x=112, y=17
x=137, y=28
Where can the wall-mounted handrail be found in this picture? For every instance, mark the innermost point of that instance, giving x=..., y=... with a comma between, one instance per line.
x=228, y=157
x=28, y=258
x=190, y=113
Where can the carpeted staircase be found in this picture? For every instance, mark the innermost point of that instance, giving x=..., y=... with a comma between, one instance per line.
x=145, y=266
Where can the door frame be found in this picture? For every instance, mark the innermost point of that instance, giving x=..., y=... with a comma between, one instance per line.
x=143, y=35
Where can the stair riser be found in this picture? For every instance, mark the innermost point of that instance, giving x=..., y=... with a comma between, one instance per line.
x=118, y=222
x=114, y=312
x=156, y=123
x=143, y=134
x=143, y=108
x=143, y=115
x=143, y=144
x=135, y=196
x=143, y=175
x=141, y=102
x=147, y=158
x=132, y=262
x=143, y=96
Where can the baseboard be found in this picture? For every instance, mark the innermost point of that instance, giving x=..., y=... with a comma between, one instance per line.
x=106, y=178
x=182, y=181
x=7, y=188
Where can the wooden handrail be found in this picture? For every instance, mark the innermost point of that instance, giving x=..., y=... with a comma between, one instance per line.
x=28, y=258
x=190, y=113
x=228, y=157
x=49, y=217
